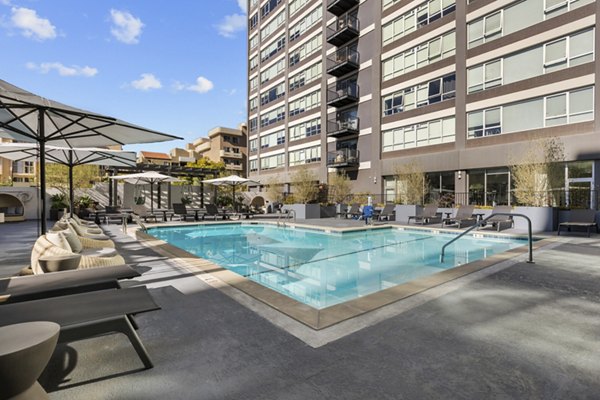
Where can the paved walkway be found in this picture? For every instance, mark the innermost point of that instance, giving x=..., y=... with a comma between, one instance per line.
x=525, y=331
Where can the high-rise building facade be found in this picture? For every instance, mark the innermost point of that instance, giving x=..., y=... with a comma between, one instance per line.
x=459, y=88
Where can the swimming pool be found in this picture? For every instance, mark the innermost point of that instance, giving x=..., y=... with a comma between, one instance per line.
x=322, y=269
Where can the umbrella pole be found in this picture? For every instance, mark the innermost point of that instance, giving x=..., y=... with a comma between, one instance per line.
x=152, y=197
x=42, y=142
x=234, y=210
x=71, y=189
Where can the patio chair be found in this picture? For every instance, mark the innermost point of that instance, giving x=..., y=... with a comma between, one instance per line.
x=143, y=212
x=94, y=253
x=213, y=211
x=181, y=211
x=387, y=213
x=580, y=219
x=497, y=221
x=464, y=217
x=53, y=284
x=428, y=215
x=86, y=315
x=96, y=234
x=353, y=211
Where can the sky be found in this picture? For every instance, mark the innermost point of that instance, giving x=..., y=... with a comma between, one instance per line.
x=175, y=66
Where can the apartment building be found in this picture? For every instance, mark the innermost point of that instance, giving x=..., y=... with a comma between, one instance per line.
x=228, y=145
x=181, y=157
x=17, y=173
x=154, y=158
x=459, y=88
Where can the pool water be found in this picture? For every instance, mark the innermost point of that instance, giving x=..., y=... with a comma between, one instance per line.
x=322, y=269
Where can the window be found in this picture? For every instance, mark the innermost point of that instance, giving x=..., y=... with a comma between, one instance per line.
x=253, y=124
x=253, y=165
x=306, y=76
x=272, y=25
x=253, y=104
x=417, y=17
x=305, y=129
x=308, y=48
x=270, y=162
x=484, y=122
x=305, y=103
x=275, y=47
x=253, y=62
x=296, y=5
x=305, y=156
x=272, y=116
x=485, y=29
x=253, y=21
x=569, y=51
x=485, y=76
x=420, y=56
x=268, y=7
x=272, y=139
x=272, y=94
x=422, y=134
x=569, y=107
x=305, y=23
x=272, y=71
x=253, y=42
x=553, y=8
x=28, y=167
x=421, y=95
x=253, y=143
x=253, y=83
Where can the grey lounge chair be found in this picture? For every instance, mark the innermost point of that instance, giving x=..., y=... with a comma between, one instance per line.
x=181, y=211
x=353, y=211
x=580, y=219
x=33, y=287
x=464, y=217
x=497, y=221
x=387, y=213
x=428, y=216
x=85, y=315
x=213, y=211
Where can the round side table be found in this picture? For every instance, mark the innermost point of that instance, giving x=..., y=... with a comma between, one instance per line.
x=61, y=262
x=25, y=349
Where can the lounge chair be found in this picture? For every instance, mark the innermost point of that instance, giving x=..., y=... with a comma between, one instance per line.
x=181, y=211
x=464, y=217
x=580, y=219
x=353, y=211
x=428, y=216
x=143, y=212
x=213, y=211
x=34, y=287
x=497, y=221
x=387, y=213
x=85, y=315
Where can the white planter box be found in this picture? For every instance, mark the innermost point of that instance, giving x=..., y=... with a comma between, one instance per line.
x=543, y=219
x=305, y=211
x=404, y=211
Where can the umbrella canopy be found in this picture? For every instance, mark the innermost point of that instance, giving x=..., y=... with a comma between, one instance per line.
x=27, y=117
x=69, y=157
x=233, y=181
x=143, y=178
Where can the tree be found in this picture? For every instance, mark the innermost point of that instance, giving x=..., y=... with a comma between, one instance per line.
x=340, y=187
x=538, y=175
x=411, y=183
x=84, y=176
x=274, y=189
x=304, y=183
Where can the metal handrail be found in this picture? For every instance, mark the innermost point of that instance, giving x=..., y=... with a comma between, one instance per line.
x=482, y=223
x=287, y=215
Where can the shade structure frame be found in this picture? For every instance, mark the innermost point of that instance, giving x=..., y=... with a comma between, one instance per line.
x=233, y=181
x=148, y=178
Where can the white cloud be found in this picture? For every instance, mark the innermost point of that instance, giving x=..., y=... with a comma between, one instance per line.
x=147, y=82
x=243, y=6
x=63, y=70
x=126, y=28
x=232, y=24
x=202, y=85
x=31, y=25
x=5, y=2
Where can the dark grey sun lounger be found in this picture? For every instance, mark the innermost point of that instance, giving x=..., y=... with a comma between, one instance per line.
x=580, y=219
x=86, y=315
x=33, y=287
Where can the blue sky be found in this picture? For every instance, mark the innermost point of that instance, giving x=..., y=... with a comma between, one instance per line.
x=174, y=66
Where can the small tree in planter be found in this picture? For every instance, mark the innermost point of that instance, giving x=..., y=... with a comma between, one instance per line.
x=305, y=189
x=340, y=188
x=412, y=183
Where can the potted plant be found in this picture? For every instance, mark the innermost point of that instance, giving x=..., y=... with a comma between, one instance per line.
x=305, y=191
x=186, y=200
x=411, y=190
x=58, y=203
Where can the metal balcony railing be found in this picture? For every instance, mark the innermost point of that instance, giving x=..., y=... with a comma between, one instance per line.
x=342, y=93
x=343, y=29
x=343, y=61
x=343, y=158
x=339, y=127
x=338, y=7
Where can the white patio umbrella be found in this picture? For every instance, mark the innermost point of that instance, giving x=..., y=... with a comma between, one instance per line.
x=69, y=157
x=27, y=117
x=144, y=178
x=233, y=181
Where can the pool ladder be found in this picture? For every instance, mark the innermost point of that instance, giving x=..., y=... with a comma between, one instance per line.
x=287, y=214
x=482, y=223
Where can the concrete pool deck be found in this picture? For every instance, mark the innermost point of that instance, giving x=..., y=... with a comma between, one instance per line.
x=514, y=330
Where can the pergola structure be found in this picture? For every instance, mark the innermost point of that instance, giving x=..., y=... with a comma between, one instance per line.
x=172, y=170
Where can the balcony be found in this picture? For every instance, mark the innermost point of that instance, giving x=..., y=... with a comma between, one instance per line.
x=234, y=167
x=342, y=93
x=230, y=154
x=343, y=127
x=343, y=158
x=343, y=61
x=342, y=30
x=338, y=7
